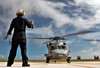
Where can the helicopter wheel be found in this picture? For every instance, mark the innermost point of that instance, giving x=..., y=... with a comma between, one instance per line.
x=55, y=61
x=47, y=59
x=68, y=60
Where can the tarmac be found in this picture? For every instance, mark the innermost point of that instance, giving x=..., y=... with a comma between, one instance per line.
x=54, y=65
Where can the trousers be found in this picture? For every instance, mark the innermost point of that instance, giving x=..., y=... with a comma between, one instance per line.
x=12, y=54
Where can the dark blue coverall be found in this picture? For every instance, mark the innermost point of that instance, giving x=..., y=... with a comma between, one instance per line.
x=19, y=38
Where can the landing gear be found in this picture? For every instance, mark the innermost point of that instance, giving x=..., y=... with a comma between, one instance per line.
x=47, y=59
x=68, y=60
x=55, y=61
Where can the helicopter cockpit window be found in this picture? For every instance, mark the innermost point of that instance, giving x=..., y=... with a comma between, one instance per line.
x=63, y=47
x=59, y=47
x=53, y=47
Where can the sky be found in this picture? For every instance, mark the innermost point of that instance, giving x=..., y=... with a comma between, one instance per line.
x=54, y=18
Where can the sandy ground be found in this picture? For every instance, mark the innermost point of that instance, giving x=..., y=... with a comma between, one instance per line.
x=54, y=65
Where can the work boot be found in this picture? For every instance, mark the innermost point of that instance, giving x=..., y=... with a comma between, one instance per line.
x=26, y=65
x=8, y=65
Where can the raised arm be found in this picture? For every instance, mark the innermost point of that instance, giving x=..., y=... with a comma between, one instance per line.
x=29, y=24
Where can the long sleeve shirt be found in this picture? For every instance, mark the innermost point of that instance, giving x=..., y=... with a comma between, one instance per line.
x=19, y=25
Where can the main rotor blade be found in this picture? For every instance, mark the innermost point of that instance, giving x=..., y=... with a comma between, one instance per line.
x=82, y=39
x=36, y=38
x=88, y=40
x=48, y=42
x=82, y=32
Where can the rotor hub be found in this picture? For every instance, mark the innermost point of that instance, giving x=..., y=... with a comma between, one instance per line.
x=57, y=38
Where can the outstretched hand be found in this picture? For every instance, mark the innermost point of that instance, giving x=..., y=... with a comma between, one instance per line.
x=6, y=37
x=32, y=22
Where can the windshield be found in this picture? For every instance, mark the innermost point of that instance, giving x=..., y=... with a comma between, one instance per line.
x=61, y=47
x=53, y=47
x=58, y=47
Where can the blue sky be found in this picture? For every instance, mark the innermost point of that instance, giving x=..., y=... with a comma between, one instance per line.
x=53, y=18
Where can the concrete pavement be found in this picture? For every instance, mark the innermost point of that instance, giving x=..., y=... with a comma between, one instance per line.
x=54, y=65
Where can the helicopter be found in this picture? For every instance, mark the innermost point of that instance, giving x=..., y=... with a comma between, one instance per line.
x=57, y=49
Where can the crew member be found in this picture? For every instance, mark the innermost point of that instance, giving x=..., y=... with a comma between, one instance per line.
x=19, y=37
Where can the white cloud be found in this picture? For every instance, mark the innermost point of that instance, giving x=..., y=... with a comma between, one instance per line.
x=68, y=42
x=94, y=36
x=48, y=9
x=57, y=5
x=41, y=8
x=90, y=52
x=78, y=2
x=94, y=3
x=94, y=42
x=94, y=7
x=80, y=23
x=44, y=31
x=1, y=56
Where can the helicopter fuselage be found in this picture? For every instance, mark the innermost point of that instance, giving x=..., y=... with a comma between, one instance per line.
x=57, y=51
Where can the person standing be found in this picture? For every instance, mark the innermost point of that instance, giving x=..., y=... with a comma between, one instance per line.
x=19, y=37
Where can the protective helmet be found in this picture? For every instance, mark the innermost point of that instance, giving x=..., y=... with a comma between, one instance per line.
x=20, y=12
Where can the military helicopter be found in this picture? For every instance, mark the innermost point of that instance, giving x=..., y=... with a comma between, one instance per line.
x=59, y=50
